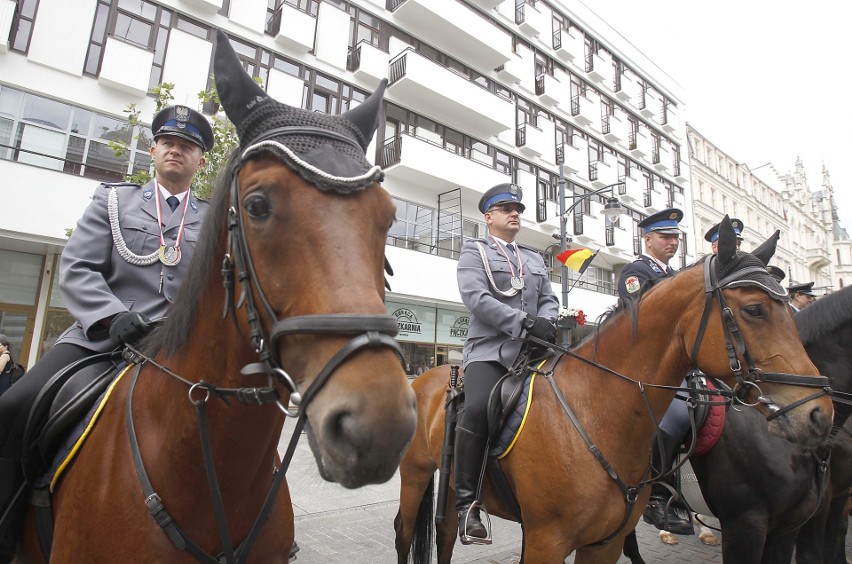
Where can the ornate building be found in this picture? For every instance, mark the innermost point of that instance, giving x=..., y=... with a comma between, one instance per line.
x=813, y=245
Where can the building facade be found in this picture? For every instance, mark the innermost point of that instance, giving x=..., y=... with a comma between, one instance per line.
x=481, y=92
x=813, y=247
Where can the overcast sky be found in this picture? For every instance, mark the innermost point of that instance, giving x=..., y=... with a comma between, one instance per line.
x=763, y=80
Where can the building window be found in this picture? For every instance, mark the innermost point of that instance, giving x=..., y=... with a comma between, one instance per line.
x=58, y=136
x=22, y=25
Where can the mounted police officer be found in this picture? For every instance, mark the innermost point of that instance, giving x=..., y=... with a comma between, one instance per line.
x=661, y=236
x=662, y=239
x=801, y=295
x=506, y=289
x=121, y=267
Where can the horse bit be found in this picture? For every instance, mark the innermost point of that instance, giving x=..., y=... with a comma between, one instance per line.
x=370, y=330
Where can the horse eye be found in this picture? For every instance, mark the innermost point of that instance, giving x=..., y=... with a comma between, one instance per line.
x=753, y=310
x=257, y=206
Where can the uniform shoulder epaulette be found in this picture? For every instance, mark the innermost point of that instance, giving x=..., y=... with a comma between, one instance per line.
x=476, y=239
x=521, y=245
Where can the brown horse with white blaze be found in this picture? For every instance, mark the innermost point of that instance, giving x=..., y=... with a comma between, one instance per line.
x=297, y=224
x=568, y=501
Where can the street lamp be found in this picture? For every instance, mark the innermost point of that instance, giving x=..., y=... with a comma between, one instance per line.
x=612, y=209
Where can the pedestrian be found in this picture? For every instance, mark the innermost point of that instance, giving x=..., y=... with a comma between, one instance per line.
x=506, y=288
x=801, y=295
x=6, y=365
x=662, y=239
x=120, y=269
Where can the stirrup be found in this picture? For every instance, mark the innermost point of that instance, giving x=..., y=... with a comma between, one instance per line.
x=464, y=537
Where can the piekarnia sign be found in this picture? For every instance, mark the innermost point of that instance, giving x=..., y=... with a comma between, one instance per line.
x=407, y=322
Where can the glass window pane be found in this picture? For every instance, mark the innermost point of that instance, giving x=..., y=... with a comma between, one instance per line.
x=46, y=112
x=19, y=277
x=22, y=36
x=6, y=126
x=28, y=8
x=101, y=162
x=111, y=129
x=74, y=154
x=193, y=28
x=10, y=101
x=327, y=83
x=144, y=139
x=93, y=59
x=133, y=31
x=99, y=28
x=80, y=121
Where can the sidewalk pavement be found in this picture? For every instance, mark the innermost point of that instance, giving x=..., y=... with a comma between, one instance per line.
x=334, y=524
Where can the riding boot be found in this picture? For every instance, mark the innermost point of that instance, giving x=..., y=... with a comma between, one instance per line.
x=662, y=511
x=12, y=496
x=469, y=457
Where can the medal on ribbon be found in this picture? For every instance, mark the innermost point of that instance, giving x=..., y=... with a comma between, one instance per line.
x=169, y=256
x=517, y=283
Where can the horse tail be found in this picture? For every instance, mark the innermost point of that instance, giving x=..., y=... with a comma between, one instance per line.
x=421, y=544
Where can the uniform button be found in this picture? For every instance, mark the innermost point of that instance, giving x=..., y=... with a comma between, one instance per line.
x=171, y=276
x=174, y=237
x=169, y=297
x=144, y=228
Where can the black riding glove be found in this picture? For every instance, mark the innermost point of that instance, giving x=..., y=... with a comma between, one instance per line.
x=129, y=327
x=541, y=328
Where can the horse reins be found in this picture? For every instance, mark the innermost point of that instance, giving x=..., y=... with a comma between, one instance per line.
x=370, y=330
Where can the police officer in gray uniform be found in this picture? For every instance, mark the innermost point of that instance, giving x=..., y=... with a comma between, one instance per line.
x=506, y=289
x=121, y=267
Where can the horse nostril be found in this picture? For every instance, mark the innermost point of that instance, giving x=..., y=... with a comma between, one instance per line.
x=820, y=419
x=342, y=431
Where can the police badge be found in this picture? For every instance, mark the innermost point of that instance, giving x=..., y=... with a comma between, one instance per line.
x=182, y=116
x=632, y=284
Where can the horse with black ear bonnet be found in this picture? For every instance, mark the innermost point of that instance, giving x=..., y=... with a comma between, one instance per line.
x=182, y=464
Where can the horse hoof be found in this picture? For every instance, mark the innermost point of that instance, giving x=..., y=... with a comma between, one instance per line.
x=668, y=538
x=709, y=539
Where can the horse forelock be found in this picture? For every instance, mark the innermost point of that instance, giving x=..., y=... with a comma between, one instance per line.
x=825, y=315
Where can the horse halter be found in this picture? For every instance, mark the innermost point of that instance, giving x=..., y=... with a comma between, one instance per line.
x=370, y=330
x=736, y=347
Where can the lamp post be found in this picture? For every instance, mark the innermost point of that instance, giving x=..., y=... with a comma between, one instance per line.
x=612, y=209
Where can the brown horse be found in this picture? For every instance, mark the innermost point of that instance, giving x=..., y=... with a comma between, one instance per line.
x=304, y=296
x=568, y=501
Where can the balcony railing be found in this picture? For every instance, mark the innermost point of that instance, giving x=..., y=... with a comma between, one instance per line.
x=521, y=135
x=539, y=85
x=392, y=5
x=575, y=105
x=353, y=61
x=391, y=152
x=610, y=235
x=396, y=70
x=557, y=39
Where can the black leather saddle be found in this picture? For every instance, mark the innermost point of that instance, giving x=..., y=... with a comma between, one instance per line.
x=62, y=403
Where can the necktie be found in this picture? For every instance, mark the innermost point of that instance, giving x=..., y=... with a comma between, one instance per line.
x=173, y=202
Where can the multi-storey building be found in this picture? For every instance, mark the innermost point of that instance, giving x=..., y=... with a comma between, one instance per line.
x=814, y=247
x=537, y=92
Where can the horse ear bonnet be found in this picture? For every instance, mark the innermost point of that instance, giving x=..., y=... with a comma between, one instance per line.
x=327, y=151
x=754, y=262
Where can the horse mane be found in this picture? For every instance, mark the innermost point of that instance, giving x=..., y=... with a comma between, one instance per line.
x=174, y=332
x=825, y=315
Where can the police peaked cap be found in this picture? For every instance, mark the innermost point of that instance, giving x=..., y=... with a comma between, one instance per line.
x=663, y=222
x=713, y=233
x=804, y=288
x=776, y=272
x=502, y=194
x=185, y=123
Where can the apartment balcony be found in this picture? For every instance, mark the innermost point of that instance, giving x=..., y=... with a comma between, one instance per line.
x=430, y=89
x=486, y=4
x=669, y=120
x=656, y=199
x=640, y=143
x=531, y=140
x=297, y=29
x=632, y=191
x=817, y=257
x=602, y=174
x=621, y=239
x=599, y=68
x=368, y=62
x=625, y=88
x=568, y=46
x=664, y=162
x=650, y=104
x=513, y=70
x=457, y=30
x=211, y=6
x=550, y=91
x=126, y=67
x=7, y=13
x=417, y=162
x=614, y=129
x=573, y=158
x=583, y=110
x=531, y=22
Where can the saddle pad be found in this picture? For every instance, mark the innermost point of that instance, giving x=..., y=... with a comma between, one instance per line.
x=515, y=421
x=73, y=443
x=710, y=432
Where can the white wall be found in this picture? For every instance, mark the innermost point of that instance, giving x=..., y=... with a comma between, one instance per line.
x=332, y=44
x=182, y=67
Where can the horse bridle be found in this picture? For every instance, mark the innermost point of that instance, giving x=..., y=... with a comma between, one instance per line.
x=736, y=348
x=371, y=330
